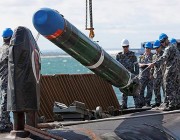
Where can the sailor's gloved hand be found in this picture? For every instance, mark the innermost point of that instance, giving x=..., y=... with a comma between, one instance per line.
x=143, y=65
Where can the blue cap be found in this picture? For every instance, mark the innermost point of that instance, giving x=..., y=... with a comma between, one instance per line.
x=162, y=36
x=156, y=44
x=7, y=33
x=173, y=41
x=148, y=45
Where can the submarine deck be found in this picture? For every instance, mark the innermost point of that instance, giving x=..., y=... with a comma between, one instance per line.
x=150, y=124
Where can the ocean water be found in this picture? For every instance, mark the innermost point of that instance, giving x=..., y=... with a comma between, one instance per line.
x=64, y=64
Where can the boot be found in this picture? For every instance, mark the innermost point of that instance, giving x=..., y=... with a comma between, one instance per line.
x=6, y=128
x=148, y=104
x=155, y=105
x=124, y=107
x=169, y=108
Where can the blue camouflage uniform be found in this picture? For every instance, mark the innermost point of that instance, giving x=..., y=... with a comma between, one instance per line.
x=129, y=61
x=171, y=81
x=4, y=114
x=157, y=78
x=146, y=79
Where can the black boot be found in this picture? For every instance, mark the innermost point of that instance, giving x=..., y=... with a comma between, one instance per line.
x=148, y=104
x=155, y=105
x=124, y=107
x=169, y=108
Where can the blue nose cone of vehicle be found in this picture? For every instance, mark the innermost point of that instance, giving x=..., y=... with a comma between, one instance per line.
x=48, y=22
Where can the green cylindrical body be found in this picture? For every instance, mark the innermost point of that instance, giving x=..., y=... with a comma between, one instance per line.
x=79, y=46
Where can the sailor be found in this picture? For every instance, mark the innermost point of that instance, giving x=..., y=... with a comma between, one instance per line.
x=145, y=77
x=174, y=42
x=5, y=123
x=128, y=59
x=157, y=74
x=171, y=76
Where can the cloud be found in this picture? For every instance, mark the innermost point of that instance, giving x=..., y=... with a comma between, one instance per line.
x=114, y=20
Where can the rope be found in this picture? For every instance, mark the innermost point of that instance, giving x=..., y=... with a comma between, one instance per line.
x=37, y=37
x=130, y=80
x=141, y=72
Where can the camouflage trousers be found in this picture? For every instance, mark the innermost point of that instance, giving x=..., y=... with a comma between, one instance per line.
x=4, y=114
x=157, y=84
x=145, y=82
x=172, y=91
x=125, y=98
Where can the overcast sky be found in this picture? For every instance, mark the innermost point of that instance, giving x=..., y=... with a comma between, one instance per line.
x=136, y=20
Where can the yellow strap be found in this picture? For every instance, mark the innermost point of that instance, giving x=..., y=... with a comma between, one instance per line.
x=91, y=33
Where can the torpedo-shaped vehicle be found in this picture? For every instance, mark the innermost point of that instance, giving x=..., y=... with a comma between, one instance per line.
x=53, y=26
